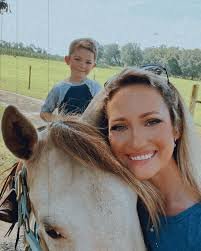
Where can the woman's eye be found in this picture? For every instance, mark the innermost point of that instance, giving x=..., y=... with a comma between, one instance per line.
x=152, y=122
x=118, y=128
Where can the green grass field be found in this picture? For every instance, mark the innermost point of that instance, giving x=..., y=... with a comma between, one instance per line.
x=14, y=74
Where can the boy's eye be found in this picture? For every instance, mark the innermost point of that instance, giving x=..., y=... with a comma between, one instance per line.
x=152, y=122
x=88, y=62
x=118, y=128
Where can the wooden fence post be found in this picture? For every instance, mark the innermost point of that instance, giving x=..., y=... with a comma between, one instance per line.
x=194, y=98
x=29, y=86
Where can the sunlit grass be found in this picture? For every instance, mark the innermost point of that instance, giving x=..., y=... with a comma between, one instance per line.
x=14, y=75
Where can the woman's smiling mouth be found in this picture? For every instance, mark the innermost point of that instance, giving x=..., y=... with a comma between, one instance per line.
x=142, y=156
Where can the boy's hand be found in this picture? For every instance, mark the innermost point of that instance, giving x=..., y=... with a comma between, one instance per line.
x=49, y=117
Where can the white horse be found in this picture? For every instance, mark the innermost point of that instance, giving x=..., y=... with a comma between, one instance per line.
x=78, y=204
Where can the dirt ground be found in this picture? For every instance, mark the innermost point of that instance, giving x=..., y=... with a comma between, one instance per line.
x=8, y=243
x=31, y=108
x=27, y=105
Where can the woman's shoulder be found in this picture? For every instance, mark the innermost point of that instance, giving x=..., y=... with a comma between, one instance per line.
x=184, y=227
x=189, y=214
x=192, y=213
x=180, y=232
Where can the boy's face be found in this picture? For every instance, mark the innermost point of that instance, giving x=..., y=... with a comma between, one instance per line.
x=81, y=62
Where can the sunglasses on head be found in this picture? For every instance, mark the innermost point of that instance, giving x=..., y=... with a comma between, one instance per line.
x=156, y=69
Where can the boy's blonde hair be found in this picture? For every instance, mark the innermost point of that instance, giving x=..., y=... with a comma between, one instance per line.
x=85, y=43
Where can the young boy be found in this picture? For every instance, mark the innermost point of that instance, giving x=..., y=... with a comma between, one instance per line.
x=73, y=94
x=70, y=95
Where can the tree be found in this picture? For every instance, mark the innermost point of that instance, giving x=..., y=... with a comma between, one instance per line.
x=173, y=66
x=131, y=55
x=111, y=54
x=156, y=55
x=3, y=6
x=190, y=63
x=100, y=53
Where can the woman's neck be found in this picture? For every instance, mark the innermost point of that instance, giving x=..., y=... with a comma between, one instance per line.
x=177, y=195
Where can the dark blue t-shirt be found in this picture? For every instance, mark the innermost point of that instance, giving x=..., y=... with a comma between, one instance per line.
x=176, y=233
x=70, y=97
x=76, y=100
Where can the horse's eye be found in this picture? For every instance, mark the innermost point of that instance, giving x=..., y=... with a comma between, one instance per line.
x=53, y=233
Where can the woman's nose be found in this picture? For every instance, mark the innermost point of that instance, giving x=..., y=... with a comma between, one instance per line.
x=137, y=138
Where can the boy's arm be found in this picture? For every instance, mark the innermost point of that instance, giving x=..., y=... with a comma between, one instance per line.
x=94, y=87
x=97, y=88
x=50, y=105
x=48, y=116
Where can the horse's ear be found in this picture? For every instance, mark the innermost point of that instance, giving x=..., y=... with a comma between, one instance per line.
x=95, y=111
x=19, y=134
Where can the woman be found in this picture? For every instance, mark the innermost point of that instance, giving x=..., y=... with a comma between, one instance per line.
x=143, y=118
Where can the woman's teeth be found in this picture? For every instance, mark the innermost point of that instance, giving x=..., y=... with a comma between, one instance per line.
x=142, y=157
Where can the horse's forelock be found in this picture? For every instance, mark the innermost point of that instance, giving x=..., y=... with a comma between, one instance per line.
x=82, y=142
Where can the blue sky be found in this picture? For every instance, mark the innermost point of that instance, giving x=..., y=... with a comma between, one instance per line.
x=147, y=22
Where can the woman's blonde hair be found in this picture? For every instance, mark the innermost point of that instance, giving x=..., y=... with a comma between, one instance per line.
x=187, y=150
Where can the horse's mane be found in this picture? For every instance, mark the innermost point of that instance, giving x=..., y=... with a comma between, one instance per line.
x=84, y=143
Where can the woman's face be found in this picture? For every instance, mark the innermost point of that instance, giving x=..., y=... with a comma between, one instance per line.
x=140, y=130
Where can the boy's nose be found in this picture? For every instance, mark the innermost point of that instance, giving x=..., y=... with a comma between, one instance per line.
x=82, y=64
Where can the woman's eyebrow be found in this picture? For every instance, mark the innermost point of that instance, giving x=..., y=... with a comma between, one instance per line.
x=119, y=119
x=149, y=113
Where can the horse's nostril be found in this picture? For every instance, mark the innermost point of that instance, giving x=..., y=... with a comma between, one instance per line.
x=53, y=233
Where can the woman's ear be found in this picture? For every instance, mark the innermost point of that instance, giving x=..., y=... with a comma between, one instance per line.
x=67, y=59
x=176, y=133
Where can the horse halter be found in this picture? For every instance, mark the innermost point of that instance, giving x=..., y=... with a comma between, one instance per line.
x=24, y=209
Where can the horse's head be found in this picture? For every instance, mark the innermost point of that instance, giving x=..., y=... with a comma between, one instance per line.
x=77, y=204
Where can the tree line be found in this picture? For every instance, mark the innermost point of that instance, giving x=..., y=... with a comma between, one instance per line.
x=19, y=49
x=179, y=62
